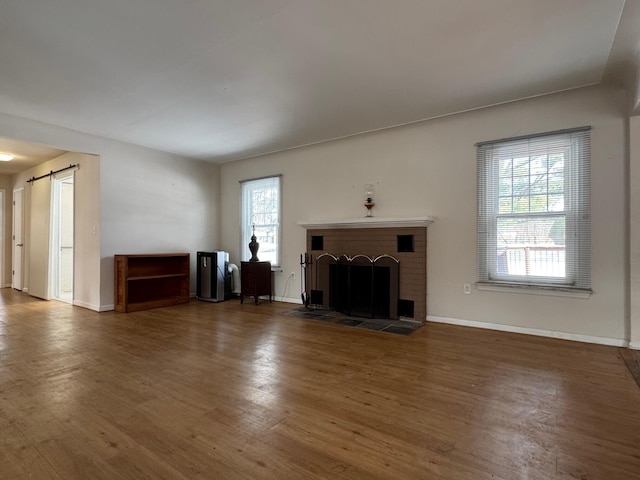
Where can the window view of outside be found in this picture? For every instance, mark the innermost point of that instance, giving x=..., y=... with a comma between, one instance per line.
x=261, y=210
x=531, y=216
x=534, y=210
x=264, y=205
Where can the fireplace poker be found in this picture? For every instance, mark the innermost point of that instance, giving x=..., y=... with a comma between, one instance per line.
x=304, y=261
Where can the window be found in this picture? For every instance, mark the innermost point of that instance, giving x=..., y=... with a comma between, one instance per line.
x=534, y=219
x=261, y=208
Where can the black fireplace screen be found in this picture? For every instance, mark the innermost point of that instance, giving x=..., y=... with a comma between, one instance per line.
x=358, y=286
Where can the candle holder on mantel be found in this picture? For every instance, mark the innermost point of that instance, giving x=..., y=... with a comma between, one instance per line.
x=368, y=199
x=254, y=246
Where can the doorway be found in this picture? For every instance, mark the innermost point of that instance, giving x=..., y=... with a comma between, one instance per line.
x=62, y=233
x=2, y=273
x=18, y=241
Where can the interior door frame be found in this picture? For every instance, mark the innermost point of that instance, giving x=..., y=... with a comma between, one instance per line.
x=14, y=241
x=55, y=257
x=3, y=240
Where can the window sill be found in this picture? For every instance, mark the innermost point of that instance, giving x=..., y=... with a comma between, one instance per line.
x=535, y=289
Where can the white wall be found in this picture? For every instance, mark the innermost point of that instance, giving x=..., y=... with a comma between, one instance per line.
x=157, y=203
x=149, y=201
x=429, y=168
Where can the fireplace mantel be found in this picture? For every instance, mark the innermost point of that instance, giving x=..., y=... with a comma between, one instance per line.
x=367, y=222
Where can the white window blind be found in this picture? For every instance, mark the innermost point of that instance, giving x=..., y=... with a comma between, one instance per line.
x=261, y=208
x=534, y=212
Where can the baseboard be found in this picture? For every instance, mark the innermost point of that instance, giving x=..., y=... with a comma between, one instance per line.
x=634, y=345
x=90, y=306
x=614, y=342
x=288, y=300
x=25, y=290
x=6, y=285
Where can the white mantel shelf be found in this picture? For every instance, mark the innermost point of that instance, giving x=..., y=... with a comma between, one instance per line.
x=367, y=222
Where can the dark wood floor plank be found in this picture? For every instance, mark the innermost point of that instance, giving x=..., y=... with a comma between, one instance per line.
x=231, y=391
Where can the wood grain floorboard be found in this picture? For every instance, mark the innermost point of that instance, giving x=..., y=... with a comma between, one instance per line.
x=632, y=360
x=229, y=391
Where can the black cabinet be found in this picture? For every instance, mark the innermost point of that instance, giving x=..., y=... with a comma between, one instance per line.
x=255, y=280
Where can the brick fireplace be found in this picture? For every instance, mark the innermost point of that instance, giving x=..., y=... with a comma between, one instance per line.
x=402, y=239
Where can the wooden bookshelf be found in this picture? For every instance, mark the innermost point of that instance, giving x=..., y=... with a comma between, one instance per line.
x=145, y=281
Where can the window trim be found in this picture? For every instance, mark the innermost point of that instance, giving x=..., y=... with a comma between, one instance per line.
x=532, y=288
x=577, y=205
x=245, y=222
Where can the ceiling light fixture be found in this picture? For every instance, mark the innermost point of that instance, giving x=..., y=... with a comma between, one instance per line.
x=5, y=157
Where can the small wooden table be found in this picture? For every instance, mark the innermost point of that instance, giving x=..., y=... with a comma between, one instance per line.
x=255, y=278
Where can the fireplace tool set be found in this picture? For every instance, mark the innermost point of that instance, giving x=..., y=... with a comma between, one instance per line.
x=305, y=263
x=358, y=285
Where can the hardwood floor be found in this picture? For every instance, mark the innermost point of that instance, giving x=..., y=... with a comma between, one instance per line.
x=216, y=391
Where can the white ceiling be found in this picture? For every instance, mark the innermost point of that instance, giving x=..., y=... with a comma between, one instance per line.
x=227, y=79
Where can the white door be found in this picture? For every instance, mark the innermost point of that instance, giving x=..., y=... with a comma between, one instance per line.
x=18, y=242
x=38, y=254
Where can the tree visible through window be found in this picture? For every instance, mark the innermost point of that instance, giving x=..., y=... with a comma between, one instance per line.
x=261, y=212
x=534, y=210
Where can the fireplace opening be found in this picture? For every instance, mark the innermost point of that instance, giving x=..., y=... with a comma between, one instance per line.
x=357, y=286
x=361, y=291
